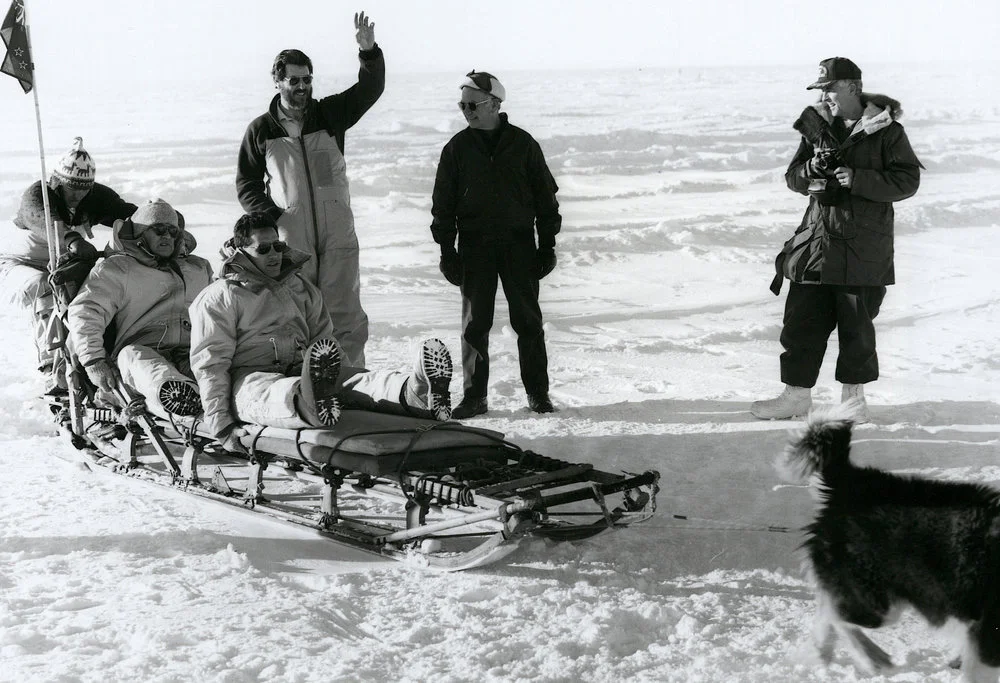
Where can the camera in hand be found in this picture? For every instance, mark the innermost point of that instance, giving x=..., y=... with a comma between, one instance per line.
x=827, y=161
x=827, y=189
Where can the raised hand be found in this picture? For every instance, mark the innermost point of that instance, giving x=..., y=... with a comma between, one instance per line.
x=365, y=31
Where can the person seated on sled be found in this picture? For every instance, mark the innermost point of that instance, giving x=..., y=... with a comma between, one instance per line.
x=138, y=298
x=263, y=348
x=78, y=203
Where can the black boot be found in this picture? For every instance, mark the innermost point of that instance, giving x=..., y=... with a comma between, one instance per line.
x=540, y=403
x=469, y=407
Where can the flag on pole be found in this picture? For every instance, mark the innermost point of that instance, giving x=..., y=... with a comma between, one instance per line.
x=17, y=60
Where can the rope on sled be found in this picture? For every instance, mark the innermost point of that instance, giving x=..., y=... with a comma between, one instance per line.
x=702, y=524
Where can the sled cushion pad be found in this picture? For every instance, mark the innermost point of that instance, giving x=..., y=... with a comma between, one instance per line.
x=380, y=443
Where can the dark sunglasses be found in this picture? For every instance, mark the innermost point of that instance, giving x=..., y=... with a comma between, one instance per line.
x=471, y=106
x=161, y=229
x=264, y=249
x=295, y=80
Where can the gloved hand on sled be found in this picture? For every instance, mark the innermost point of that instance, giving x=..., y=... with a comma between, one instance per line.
x=451, y=265
x=546, y=261
x=103, y=375
x=230, y=439
x=80, y=247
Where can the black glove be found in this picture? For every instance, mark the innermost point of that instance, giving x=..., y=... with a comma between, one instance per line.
x=82, y=249
x=546, y=261
x=451, y=266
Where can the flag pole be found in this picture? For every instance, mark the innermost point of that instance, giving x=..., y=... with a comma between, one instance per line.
x=50, y=231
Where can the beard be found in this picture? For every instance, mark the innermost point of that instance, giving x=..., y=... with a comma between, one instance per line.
x=296, y=99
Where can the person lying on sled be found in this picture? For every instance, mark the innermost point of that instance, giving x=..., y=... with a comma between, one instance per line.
x=263, y=348
x=79, y=203
x=140, y=294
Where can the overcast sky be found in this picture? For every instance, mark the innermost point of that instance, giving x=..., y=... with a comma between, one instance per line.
x=168, y=39
x=112, y=47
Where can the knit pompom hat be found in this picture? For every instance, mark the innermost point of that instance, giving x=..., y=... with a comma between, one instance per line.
x=77, y=169
x=153, y=212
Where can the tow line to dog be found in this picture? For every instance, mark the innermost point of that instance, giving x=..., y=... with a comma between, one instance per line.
x=702, y=524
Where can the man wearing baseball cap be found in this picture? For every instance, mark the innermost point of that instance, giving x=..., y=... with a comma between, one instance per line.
x=78, y=203
x=494, y=192
x=854, y=160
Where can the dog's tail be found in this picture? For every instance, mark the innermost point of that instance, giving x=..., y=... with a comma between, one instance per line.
x=822, y=446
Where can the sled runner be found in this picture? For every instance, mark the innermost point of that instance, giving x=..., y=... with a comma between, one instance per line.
x=449, y=496
x=440, y=494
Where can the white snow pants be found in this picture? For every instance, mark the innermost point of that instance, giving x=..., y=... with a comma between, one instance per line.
x=274, y=400
x=145, y=370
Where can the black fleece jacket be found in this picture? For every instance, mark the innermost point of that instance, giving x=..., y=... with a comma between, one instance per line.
x=497, y=194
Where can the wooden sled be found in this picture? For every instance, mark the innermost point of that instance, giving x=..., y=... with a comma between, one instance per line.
x=438, y=494
x=441, y=494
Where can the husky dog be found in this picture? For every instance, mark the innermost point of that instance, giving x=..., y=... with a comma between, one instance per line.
x=881, y=542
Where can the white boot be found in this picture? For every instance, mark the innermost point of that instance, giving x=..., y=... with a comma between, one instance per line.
x=793, y=401
x=856, y=393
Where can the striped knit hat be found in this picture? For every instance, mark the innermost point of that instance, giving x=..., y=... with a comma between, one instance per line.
x=77, y=169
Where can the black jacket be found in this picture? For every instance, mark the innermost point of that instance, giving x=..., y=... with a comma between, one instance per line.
x=101, y=206
x=494, y=196
x=850, y=242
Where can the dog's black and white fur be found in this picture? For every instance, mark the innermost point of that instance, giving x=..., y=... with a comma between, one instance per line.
x=881, y=542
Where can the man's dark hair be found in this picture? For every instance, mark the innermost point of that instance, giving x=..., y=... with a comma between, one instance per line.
x=286, y=57
x=247, y=223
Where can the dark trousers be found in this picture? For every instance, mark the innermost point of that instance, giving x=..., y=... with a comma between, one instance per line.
x=811, y=314
x=515, y=266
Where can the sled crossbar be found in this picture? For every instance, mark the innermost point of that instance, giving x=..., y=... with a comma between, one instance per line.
x=455, y=497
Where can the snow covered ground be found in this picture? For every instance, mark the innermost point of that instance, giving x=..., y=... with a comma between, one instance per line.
x=661, y=330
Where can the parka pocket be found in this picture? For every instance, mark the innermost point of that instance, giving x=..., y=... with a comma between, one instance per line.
x=840, y=222
x=874, y=217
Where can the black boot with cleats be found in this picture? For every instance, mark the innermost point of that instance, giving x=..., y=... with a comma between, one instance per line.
x=434, y=371
x=320, y=370
x=180, y=398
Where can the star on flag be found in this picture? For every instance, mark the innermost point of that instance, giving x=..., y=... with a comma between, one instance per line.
x=14, y=32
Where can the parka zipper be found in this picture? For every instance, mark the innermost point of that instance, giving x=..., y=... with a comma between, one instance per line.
x=312, y=194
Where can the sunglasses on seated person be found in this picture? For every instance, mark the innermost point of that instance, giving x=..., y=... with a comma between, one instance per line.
x=294, y=80
x=161, y=229
x=265, y=248
x=471, y=106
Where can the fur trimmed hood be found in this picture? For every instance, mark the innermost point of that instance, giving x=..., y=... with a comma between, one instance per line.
x=123, y=241
x=879, y=111
x=238, y=267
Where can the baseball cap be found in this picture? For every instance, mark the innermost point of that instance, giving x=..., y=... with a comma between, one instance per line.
x=484, y=82
x=836, y=69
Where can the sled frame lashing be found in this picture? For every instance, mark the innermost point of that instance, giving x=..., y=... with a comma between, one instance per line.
x=475, y=521
x=465, y=497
